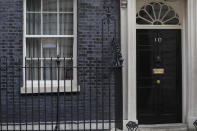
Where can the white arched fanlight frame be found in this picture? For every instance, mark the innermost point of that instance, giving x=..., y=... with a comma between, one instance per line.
x=157, y=13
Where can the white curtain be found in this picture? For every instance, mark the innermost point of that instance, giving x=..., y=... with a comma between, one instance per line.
x=66, y=5
x=33, y=51
x=50, y=24
x=50, y=15
x=33, y=5
x=50, y=5
x=66, y=50
x=66, y=24
x=33, y=23
x=50, y=48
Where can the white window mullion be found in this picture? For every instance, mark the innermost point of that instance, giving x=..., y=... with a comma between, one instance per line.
x=24, y=41
x=42, y=64
x=74, y=41
x=74, y=32
x=49, y=36
x=41, y=17
x=58, y=13
x=41, y=50
x=57, y=53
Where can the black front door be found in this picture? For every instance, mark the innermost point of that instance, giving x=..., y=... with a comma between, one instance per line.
x=159, y=76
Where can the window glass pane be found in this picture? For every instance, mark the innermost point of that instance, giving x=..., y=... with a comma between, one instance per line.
x=33, y=22
x=66, y=5
x=170, y=15
x=164, y=10
x=150, y=11
x=66, y=47
x=172, y=21
x=32, y=70
x=50, y=5
x=143, y=14
x=50, y=70
x=49, y=24
x=66, y=70
x=33, y=48
x=157, y=8
x=33, y=5
x=49, y=48
x=66, y=24
x=142, y=21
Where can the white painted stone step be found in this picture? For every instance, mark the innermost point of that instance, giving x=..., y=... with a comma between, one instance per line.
x=163, y=127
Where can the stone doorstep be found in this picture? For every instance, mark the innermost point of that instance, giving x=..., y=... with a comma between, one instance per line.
x=163, y=127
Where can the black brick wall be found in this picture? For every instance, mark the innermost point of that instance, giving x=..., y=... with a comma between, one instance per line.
x=11, y=28
x=97, y=96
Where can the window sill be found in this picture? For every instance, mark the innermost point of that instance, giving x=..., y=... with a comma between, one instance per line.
x=40, y=87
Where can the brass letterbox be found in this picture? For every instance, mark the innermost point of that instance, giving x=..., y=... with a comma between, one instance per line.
x=158, y=71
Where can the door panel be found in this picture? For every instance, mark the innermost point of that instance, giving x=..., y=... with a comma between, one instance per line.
x=144, y=74
x=159, y=95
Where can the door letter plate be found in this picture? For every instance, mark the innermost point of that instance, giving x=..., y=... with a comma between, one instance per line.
x=158, y=71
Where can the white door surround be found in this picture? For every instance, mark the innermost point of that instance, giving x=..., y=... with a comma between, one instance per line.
x=189, y=60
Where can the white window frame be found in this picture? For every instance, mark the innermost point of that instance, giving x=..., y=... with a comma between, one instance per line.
x=48, y=86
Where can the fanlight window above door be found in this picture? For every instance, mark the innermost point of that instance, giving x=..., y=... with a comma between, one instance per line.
x=157, y=13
